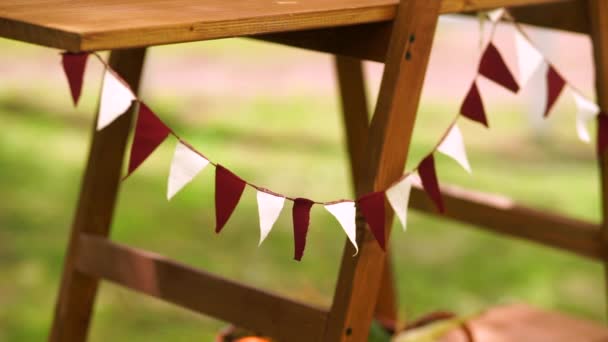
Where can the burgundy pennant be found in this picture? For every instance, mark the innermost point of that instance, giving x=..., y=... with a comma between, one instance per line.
x=426, y=169
x=150, y=132
x=555, y=85
x=493, y=67
x=372, y=208
x=73, y=66
x=301, y=220
x=602, y=133
x=472, y=107
x=228, y=190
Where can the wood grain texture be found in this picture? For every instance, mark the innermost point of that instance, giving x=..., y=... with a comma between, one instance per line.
x=112, y=24
x=159, y=277
x=385, y=154
x=98, y=195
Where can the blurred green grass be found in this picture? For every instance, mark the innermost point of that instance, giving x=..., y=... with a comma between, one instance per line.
x=292, y=145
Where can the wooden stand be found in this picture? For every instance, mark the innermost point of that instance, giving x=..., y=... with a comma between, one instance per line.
x=401, y=36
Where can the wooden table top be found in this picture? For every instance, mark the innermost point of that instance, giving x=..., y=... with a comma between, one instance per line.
x=86, y=25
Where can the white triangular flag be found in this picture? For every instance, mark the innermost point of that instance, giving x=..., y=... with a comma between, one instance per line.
x=398, y=196
x=116, y=98
x=453, y=146
x=529, y=59
x=496, y=14
x=269, y=209
x=345, y=213
x=186, y=164
x=586, y=111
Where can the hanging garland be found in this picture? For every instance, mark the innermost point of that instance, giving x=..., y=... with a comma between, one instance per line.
x=150, y=131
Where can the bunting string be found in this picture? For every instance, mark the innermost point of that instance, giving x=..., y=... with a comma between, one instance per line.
x=150, y=132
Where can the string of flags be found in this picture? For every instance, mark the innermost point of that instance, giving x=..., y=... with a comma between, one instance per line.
x=150, y=132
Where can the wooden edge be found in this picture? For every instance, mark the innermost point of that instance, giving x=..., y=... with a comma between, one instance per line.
x=40, y=35
x=159, y=277
x=502, y=215
x=567, y=15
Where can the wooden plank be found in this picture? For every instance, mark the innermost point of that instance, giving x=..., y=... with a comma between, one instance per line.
x=95, y=208
x=598, y=17
x=111, y=24
x=567, y=15
x=159, y=277
x=387, y=147
x=502, y=215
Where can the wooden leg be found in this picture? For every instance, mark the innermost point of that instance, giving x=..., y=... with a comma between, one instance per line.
x=95, y=208
x=386, y=152
x=598, y=13
x=356, y=122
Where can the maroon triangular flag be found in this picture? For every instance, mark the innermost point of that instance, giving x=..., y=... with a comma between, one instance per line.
x=555, y=85
x=73, y=66
x=228, y=190
x=493, y=67
x=426, y=169
x=150, y=132
x=372, y=208
x=472, y=107
x=301, y=219
x=602, y=133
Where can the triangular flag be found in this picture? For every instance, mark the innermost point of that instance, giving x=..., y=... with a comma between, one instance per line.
x=496, y=14
x=529, y=59
x=398, y=196
x=453, y=147
x=472, y=107
x=150, y=132
x=269, y=209
x=586, y=111
x=74, y=65
x=228, y=191
x=493, y=67
x=345, y=213
x=372, y=208
x=555, y=85
x=602, y=133
x=116, y=98
x=301, y=220
x=186, y=164
x=426, y=169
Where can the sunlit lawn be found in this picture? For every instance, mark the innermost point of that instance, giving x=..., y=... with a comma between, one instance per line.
x=292, y=145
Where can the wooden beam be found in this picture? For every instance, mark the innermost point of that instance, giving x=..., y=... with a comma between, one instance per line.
x=159, y=277
x=565, y=15
x=502, y=215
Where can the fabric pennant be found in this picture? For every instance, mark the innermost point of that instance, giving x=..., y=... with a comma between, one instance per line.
x=453, y=147
x=472, y=107
x=301, y=220
x=186, y=164
x=116, y=98
x=345, y=213
x=529, y=59
x=555, y=85
x=496, y=14
x=269, y=209
x=372, y=208
x=493, y=67
x=602, y=133
x=398, y=197
x=585, y=112
x=150, y=132
x=228, y=190
x=74, y=65
x=428, y=175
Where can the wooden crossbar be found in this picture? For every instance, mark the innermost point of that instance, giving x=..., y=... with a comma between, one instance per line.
x=502, y=215
x=159, y=277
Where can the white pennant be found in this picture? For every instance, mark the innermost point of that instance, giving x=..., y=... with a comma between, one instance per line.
x=528, y=58
x=586, y=111
x=116, y=98
x=186, y=164
x=453, y=146
x=398, y=196
x=496, y=14
x=345, y=213
x=269, y=209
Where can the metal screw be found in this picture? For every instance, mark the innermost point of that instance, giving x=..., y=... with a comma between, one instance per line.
x=349, y=331
x=412, y=38
x=408, y=55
